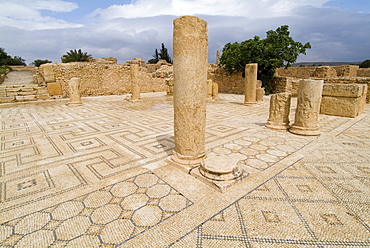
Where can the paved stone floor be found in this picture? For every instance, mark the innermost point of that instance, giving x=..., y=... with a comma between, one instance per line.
x=96, y=176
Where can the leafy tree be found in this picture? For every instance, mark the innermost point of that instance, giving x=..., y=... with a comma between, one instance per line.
x=75, y=56
x=39, y=62
x=6, y=59
x=276, y=50
x=365, y=64
x=162, y=54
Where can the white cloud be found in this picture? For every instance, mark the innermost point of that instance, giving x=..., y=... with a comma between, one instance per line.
x=246, y=8
x=26, y=14
x=136, y=29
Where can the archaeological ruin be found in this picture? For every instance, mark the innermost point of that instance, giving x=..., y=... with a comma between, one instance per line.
x=101, y=154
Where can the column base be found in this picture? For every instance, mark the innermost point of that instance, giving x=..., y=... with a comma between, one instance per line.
x=306, y=131
x=250, y=103
x=218, y=172
x=74, y=104
x=186, y=162
x=220, y=168
x=277, y=125
x=130, y=99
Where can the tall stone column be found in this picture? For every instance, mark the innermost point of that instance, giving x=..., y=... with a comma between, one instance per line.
x=135, y=85
x=218, y=56
x=308, y=107
x=250, y=84
x=190, y=63
x=74, y=92
x=279, y=111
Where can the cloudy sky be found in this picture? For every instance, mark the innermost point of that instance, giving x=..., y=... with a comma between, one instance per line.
x=338, y=30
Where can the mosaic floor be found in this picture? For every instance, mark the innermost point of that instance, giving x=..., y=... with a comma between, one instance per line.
x=96, y=176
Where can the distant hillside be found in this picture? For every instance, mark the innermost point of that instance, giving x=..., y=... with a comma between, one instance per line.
x=304, y=64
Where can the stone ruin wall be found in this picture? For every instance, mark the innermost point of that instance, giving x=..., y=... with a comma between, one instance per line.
x=227, y=83
x=286, y=80
x=103, y=78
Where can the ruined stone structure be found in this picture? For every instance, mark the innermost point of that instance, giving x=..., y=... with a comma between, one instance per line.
x=135, y=85
x=308, y=107
x=250, y=84
x=74, y=92
x=98, y=79
x=218, y=56
x=169, y=83
x=190, y=44
x=22, y=93
x=286, y=80
x=214, y=91
x=346, y=100
x=227, y=83
x=279, y=111
x=260, y=91
x=209, y=89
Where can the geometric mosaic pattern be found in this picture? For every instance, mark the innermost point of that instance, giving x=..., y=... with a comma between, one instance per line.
x=95, y=176
x=108, y=216
x=296, y=208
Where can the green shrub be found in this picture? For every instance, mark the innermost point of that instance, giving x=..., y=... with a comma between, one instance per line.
x=4, y=69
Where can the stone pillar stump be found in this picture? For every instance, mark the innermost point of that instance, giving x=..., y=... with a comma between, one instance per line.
x=74, y=92
x=250, y=84
x=209, y=88
x=308, y=107
x=279, y=111
x=215, y=91
x=169, y=87
x=135, y=85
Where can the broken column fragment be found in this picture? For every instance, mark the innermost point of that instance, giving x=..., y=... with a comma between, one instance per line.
x=279, y=111
x=308, y=107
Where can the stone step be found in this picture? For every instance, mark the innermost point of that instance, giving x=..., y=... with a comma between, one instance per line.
x=22, y=93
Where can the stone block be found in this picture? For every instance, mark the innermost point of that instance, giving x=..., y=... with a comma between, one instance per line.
x=2, y=92
x=13, y=89
x=49, y=75
x=42, y=91
x=27, y=93
x=7, y=99
x=260, y=92
x=19, y=98
x=11, y=93
x=30, y=98
x=325, y=71
x=343, y=90
x=347, y=100
x=25, y=89
x=342, y=106
x=54, y=88
x=42, y=97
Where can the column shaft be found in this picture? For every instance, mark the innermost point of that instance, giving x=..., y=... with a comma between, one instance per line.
x=308, y=107
x=74, y=92
x=190, y=58
x=250, y=84
x=135, y=86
